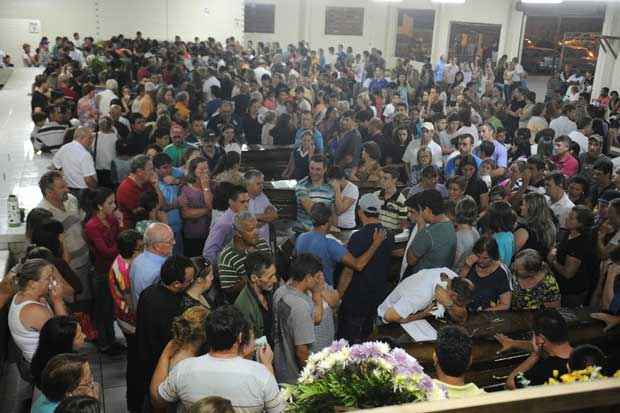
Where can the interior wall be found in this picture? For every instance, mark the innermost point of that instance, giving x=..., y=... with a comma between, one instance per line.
x=160, y=19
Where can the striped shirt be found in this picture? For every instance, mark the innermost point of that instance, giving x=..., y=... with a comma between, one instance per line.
x=305, y=189
x=393, y=211
x=231, y=263
x=49, y=137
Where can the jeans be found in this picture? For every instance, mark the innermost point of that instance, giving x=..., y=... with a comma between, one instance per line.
x=103, y=311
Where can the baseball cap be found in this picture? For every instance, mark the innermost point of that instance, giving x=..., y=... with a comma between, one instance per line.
x=428, y=126
x=370, y=203
x=596, y=137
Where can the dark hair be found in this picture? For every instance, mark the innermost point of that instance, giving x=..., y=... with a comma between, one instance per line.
x=536, y=161
x=161, y=159
x=463, y=289
x=46, y=182
x=463, y=161
x=147, y=202
x=56, y=337
x=191, y=168
x=458, y=180
x=320, y=214
x=373, y=150
x=319, y=159
x=235, y=191
x=223, y=326
x=153, y=146
x=392, y=171
x=586, y=355
x=62, y=375
x=304, y=265
x=36, y=217
x=557, y=177
x=453, y=350
x=501, y=217
x=257, y=262
x=94, y=199
x=549, y=323
x=47, y=235
x=127, y=242
x=173, y=269
x=489, y=245
x=432, y=199
x=585, y=218
x=603, y=165
x=78, y=404
x=336, y=172
x=487, y=148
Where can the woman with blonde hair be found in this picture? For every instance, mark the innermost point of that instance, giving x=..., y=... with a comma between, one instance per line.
x=535, y=229
x=188, y=334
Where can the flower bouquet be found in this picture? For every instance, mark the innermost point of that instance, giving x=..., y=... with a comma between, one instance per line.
x=590, y=373
x=360, y=376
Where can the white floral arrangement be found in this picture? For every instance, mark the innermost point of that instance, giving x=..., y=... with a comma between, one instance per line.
x=360, y=376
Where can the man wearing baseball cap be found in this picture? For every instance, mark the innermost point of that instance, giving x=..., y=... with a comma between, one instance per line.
x=363, y=290
x=410, y=157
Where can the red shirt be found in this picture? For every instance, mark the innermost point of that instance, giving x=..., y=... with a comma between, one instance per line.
x=568, y=165
x=101, y=239
x=128, y=198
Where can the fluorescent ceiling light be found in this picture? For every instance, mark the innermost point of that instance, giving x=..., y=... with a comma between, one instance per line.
x=387, y=1
x=448, y=1
x=541, y=1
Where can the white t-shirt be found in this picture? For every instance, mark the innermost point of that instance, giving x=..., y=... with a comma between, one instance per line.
x=105, y=99
x=76, y=164
x=415, y=292
x=106, y=150
x=580, y=139
x=561, y=209
x=347, y=219
x=249, y=386
x=411, y=153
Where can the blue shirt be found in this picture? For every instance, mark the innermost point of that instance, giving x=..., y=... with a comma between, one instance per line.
x=43, y=405
x=500, y=154
x=328, y=250
x=506, y=245
x=318, y=139
x=144, y=272
x=377, y=84
x=439, y=69
x=450, y=169
x=171, y=193
x=219, y=236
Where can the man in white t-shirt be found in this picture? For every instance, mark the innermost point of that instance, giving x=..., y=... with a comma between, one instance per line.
x=250, y=386
x=76, y=162
x=410, y=157
x=558, y=199
x=415, y=296
x=580, y=136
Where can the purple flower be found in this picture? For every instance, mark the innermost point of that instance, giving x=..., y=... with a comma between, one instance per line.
x=338, y=345
x=405, y=364
x=426, y=383
x=364, y=351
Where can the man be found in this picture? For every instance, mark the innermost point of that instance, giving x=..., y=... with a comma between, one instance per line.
x=158, y=244
x=76, y=162
x=434, y=245
x=429, y=179
x=551, y=336
x=224, y=371
x=564, y=124
x=393, y=212
x=168, y=185
x=593, y=154
x=221, y=232
x=608, y=236
x=209, y=82
x=295, y=315
x=104, y=99
x=415, y=297
x=602, y=172
x=362, y=291
x=452, y=359
x=331, y=251
x=121, y=123
x=159, y=304
x=177, y=148
x=465, y=146
x=563, y=159
x=500, y=154
x=255, y=299
x=51, y=135
x=379, y=82
x=211, y=151
x=439, y=69
x=558, y=200
x=349, y=146
x=261, y=70
x=197, y=132
x=259, y=205
x=223, y=117
x=536, y=174
x=313, y=189
x=307, y=123
x=231, y=261
x=142, y=178
x=139, y=137
x=64, y=208
x=580, y=136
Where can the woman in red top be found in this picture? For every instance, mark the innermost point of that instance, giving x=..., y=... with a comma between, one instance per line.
x=101, y=230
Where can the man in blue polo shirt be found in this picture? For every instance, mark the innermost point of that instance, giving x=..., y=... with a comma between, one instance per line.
x=465, y=147
x=500, y=154
x=311, y=190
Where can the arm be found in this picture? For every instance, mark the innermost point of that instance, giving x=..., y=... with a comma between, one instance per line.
x=101, y=247
x=342, y=203
x=345, y=279
x=302, y=352
x=160, y=374
x=503, y=303
x=521, y=237
x=608, y=290
x=270, y=214
x=317, y=299
x=392, y=316
x=359, y=263
x=91, y=181
x=331, y=297
x=522, y=368
x=570, y=267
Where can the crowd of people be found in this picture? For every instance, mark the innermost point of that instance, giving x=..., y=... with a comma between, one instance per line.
x=489, y=200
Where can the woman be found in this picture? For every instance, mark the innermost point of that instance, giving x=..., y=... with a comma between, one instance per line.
x=330, y=125
x=575, y=258
x=457, y=185
x=101, y=230
x=490, y=278
x=466, y=216
x=346, y=195
x=188, y=334
x=251, y=125
x=500, y=219
x=195, y=294
x=87, y=107
x=536, y=229
x=370, y=169
x=105, y=151
x=196, y=201
x=302, y=156
x=424, y=158
x=65, y=375
x=30, y=309
x=534, y=286
x=476, y=187
x=284, y=131
x=394, y=146
x=60, y=334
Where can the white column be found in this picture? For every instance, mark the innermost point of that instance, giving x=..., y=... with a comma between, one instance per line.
x=607, y=71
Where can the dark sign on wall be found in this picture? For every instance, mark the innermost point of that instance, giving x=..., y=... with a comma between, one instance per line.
x=259, y=18
x=344, y=21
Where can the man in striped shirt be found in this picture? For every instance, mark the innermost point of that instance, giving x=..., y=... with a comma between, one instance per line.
x=51, y=135
x=231, y=262
x=313, y=189
x=393, y=214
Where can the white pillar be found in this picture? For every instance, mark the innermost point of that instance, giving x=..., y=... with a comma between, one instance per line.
x=607, y=71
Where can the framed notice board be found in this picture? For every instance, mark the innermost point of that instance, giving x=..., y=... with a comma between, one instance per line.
x=259, y=18
x=344, y=21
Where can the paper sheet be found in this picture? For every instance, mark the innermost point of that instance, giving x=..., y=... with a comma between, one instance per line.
x=420, y=330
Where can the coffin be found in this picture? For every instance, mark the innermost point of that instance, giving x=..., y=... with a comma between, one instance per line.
x=271, y=160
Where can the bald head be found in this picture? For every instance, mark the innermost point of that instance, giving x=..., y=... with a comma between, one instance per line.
x=84, y=135
x=159, y=239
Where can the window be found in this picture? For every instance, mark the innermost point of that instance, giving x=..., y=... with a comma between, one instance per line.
x=259, y=18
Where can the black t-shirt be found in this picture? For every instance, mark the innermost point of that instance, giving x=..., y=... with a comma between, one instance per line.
x=138, y=141
x=487, y=289
x=369, y=287
x=543, y=370
x=582, y=248
x=39, y=100
x=252, y=130
x=301, y=165
x=533, y=241
x=475, y=188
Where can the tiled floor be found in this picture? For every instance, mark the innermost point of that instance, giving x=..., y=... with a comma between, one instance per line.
x=20, y=170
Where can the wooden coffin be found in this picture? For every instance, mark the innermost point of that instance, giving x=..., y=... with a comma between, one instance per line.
x=490, y=369
x=270, y=159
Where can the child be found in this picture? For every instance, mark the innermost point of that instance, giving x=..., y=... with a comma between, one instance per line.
x=485, y=171
x=212, y=404
x=584, y=356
